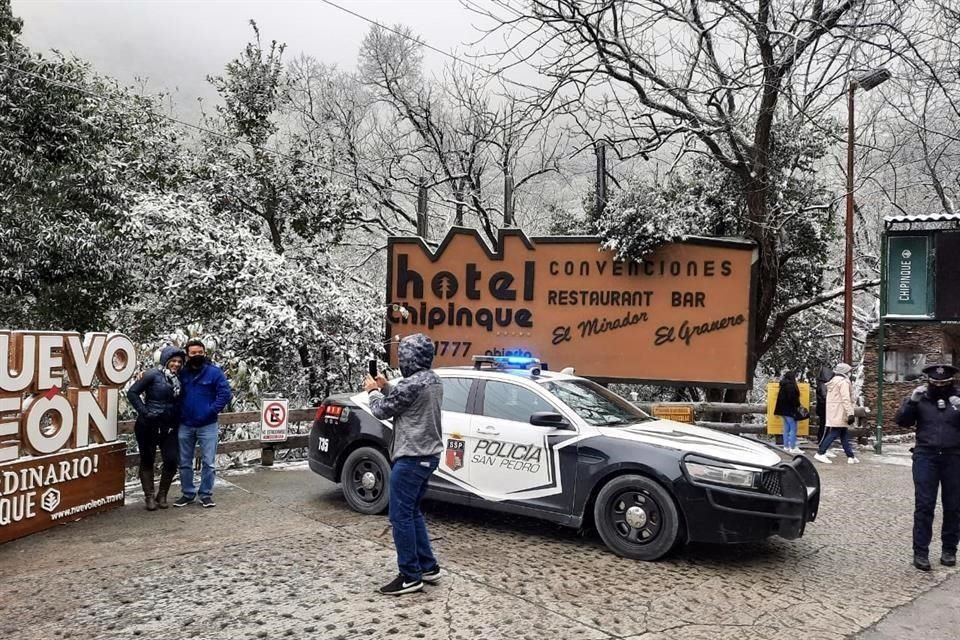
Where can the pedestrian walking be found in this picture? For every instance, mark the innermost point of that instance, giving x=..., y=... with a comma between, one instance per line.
x=206, y=393
x=823, y=377
x=839, y=412
x=156, y=399
x=934, y=410
x=414, y=405
x=787, y=407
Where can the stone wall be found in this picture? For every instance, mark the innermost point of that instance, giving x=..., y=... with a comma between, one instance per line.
x=928, y=338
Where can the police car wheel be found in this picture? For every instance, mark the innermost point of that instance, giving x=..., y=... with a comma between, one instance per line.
x=636, y=518
x=366, y=481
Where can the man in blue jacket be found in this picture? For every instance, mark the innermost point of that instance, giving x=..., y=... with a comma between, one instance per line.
x=205, y=394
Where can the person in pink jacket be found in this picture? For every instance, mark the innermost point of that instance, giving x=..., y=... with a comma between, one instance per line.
x=839, y=414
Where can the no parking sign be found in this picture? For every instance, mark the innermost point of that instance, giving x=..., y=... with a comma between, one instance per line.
x=273, y=420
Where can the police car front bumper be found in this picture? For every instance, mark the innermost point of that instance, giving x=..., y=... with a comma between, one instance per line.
x=786, y=498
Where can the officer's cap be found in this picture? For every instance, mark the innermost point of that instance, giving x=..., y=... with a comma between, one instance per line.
x=940, y=371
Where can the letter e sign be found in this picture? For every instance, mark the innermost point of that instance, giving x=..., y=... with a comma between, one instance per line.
x=273, y=420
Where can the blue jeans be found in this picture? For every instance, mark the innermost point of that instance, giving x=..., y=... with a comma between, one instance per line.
x=832, y=433
x=933, y=471
x=207, y=436
x=408, y=484
x=789, y=432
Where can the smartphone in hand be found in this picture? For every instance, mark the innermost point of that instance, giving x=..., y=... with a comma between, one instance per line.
x=372, y=369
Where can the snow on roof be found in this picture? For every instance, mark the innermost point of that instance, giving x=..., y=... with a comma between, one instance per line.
x=923, y=217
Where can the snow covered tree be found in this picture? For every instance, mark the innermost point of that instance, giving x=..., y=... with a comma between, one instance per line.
x=701, y=198
x=258, y=175
x=73, y=148
x=723, y=79
x=263, y=308
x=391, y=126
x=256, y=230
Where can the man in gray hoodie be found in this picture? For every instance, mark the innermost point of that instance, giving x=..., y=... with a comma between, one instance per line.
x=414, y=405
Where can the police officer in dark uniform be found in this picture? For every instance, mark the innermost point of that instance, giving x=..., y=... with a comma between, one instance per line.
x=935, y=410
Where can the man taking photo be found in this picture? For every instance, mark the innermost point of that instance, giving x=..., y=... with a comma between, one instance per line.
x=414, y=405
x=205, y=393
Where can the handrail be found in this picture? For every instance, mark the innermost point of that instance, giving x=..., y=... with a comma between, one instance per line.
x=298, y=441
x=267, y=449
x=736, y=408
x=237, y=417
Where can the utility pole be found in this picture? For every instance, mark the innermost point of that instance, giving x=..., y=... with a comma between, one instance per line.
x=422, y=221
x=508, y=220
x=600, y=195
x=458, y=194
x=866, y=82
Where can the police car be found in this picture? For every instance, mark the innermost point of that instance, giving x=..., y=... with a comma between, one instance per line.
x=524, y=440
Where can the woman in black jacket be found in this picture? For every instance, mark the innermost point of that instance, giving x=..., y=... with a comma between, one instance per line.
x=158, y=415
x=788, y=401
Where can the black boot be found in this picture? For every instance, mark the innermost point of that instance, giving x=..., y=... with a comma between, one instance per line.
x=921, y=561
x=163, y=488
x=146, y=481
x=948, y=558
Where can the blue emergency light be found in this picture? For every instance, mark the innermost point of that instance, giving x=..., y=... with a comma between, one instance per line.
x=510, y=362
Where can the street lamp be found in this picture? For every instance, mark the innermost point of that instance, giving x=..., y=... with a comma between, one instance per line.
x=866, y=82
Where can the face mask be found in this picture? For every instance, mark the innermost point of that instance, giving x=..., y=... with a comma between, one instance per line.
x=939, y=391
x=196, y=361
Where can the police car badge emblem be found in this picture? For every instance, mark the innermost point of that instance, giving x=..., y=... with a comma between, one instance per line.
x=455, y=449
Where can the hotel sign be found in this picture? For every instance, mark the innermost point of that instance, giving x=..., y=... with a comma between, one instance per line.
x=683, y=315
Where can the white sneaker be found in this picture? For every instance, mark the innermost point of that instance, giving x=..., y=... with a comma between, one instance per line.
x=831, y=454
x=853, y=460
x=798, y=451
x=823, y=459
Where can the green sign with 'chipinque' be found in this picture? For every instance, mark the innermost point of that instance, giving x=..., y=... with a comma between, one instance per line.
x=908, y=282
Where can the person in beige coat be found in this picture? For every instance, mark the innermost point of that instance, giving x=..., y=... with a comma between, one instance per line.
x=839, y=414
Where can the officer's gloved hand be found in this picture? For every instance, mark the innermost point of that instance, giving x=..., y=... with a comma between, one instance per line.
x=955, y=402
x=918, y=393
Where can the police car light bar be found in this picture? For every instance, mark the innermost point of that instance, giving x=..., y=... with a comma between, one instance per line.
x=509, y=362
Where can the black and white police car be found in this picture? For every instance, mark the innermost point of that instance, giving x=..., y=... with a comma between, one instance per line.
x=520, y=439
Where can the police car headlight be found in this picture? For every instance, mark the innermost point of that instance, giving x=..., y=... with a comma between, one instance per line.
x=722, y=475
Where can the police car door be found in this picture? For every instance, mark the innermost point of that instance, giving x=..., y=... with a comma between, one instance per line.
x=453, y=472
x=511, y=459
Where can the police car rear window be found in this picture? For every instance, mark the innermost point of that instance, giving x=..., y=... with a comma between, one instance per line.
x=594, y=404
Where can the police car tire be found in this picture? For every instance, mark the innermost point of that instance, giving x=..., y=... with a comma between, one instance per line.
x=372, y=460
x=662, y=518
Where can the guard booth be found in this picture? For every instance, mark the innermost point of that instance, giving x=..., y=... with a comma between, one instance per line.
x=919, y=310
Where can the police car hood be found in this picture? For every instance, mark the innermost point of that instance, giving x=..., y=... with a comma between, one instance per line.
x=684, y=438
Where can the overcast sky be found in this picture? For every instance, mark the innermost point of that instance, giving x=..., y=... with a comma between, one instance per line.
x=175, y=44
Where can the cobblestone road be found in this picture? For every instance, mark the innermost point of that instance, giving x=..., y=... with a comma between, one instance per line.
x=282, y=557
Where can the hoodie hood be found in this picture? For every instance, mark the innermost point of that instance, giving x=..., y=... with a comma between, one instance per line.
x=415, y=354
x=170, y=352
x=842, y=369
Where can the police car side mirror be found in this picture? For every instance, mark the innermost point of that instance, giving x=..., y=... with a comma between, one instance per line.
x=549, y=419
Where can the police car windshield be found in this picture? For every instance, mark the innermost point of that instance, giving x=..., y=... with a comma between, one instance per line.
x=593, y=403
